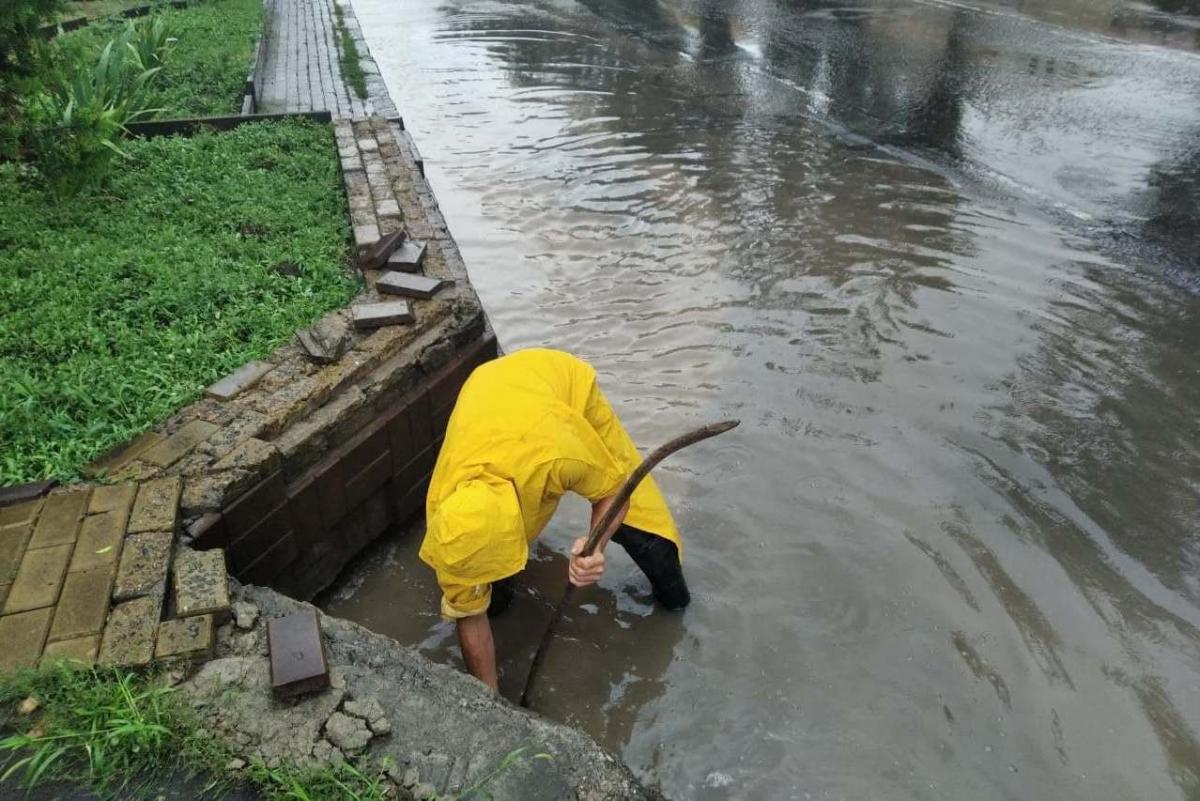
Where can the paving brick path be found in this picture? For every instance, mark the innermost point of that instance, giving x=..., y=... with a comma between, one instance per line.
x=68, y=559
x=299, y=68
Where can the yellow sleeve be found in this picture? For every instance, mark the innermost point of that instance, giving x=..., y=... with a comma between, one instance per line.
x=594, y=479
x=460, y=601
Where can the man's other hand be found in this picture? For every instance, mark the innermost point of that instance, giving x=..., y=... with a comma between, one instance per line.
x=584, y=570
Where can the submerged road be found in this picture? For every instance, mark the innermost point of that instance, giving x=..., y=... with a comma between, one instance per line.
x=941, y=258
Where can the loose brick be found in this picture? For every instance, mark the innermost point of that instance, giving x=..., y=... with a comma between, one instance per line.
x=39, y=579
x=408, y=257
x=112, y=497
x=176, y=446
x=83, y=606
x=21, y=514
x=189, y=637
x=21, y=638
x=123, y=455
x=81, y=650
x=130, y=633
x=298, y=662
x=374, y=315
x=59, y=521
x=12, y=548
x=239, y=380
x=145, y=562
x=157, y=505
x=201, y=583
x=253, y=454
x=100, y=539
x=413, y=286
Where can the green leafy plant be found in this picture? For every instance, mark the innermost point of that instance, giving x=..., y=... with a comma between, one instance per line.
x=75, y=127
x=339, y=781
x=23, y=64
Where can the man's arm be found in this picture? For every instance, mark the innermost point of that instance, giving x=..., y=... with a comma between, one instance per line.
x=585, y=570
x=478, y=648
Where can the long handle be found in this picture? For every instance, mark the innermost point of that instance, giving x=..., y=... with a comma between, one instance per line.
x=606, y=520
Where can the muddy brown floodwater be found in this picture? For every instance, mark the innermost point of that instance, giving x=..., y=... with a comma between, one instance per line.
x=941, y=259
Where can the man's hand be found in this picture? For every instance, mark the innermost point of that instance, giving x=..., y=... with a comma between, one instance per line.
x=585, y=570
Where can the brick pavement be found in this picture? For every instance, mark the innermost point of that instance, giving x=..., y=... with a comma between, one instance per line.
x=66, y=557
x=299, y=67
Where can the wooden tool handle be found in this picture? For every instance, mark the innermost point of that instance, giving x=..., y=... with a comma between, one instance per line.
x=648, y=464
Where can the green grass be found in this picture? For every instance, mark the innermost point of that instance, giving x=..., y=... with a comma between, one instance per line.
x=207, y=69
x=117, y=309
x=351, y=69
x=102, y=727
x=98, y=727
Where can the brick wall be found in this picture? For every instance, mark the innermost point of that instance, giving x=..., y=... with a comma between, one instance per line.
x=298, y=528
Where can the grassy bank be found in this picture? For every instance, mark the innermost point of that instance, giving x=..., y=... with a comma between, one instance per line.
x=117, y=309
x=207, y=70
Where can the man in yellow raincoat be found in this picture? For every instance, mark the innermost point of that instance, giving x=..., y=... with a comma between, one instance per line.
x=527, y=428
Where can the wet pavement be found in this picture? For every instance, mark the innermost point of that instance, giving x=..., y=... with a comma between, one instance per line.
x=941, y=258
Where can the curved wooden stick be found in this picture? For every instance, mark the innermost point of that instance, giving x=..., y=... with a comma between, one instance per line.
x=606, y=520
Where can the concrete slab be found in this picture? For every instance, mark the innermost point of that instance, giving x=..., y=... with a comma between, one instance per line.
x=81, y=650
x=20, y=514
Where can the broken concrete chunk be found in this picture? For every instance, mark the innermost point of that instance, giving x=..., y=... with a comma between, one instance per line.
x=347, y=733
x=413, y=286
x=245, y=615
x=364, y=708
x=201, y=584
x=239, y=380
x=375, y=315
x=408, y=257
x=327, y=340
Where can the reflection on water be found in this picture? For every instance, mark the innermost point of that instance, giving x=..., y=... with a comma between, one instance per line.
x=938, y=257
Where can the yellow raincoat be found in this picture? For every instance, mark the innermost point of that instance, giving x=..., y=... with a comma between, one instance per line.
x=527, y=428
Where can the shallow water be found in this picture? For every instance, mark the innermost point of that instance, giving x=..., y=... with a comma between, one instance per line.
x=940, y=258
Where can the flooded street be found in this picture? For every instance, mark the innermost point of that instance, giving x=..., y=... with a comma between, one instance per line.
x=941, y=258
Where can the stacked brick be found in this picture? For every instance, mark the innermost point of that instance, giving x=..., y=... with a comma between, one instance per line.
x=86, y=573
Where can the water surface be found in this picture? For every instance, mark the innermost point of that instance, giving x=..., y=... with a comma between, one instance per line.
x=941, y=259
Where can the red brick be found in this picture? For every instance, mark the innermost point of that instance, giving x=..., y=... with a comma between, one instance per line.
x=245, y=550
x=259, y=501
x=370, y=479
x=272, y=562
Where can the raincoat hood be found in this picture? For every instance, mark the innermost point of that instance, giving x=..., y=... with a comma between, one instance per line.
x=477, y=535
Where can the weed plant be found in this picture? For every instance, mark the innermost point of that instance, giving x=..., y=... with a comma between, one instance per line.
x=116, y=309
x=348, y=62
x=209, y=64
